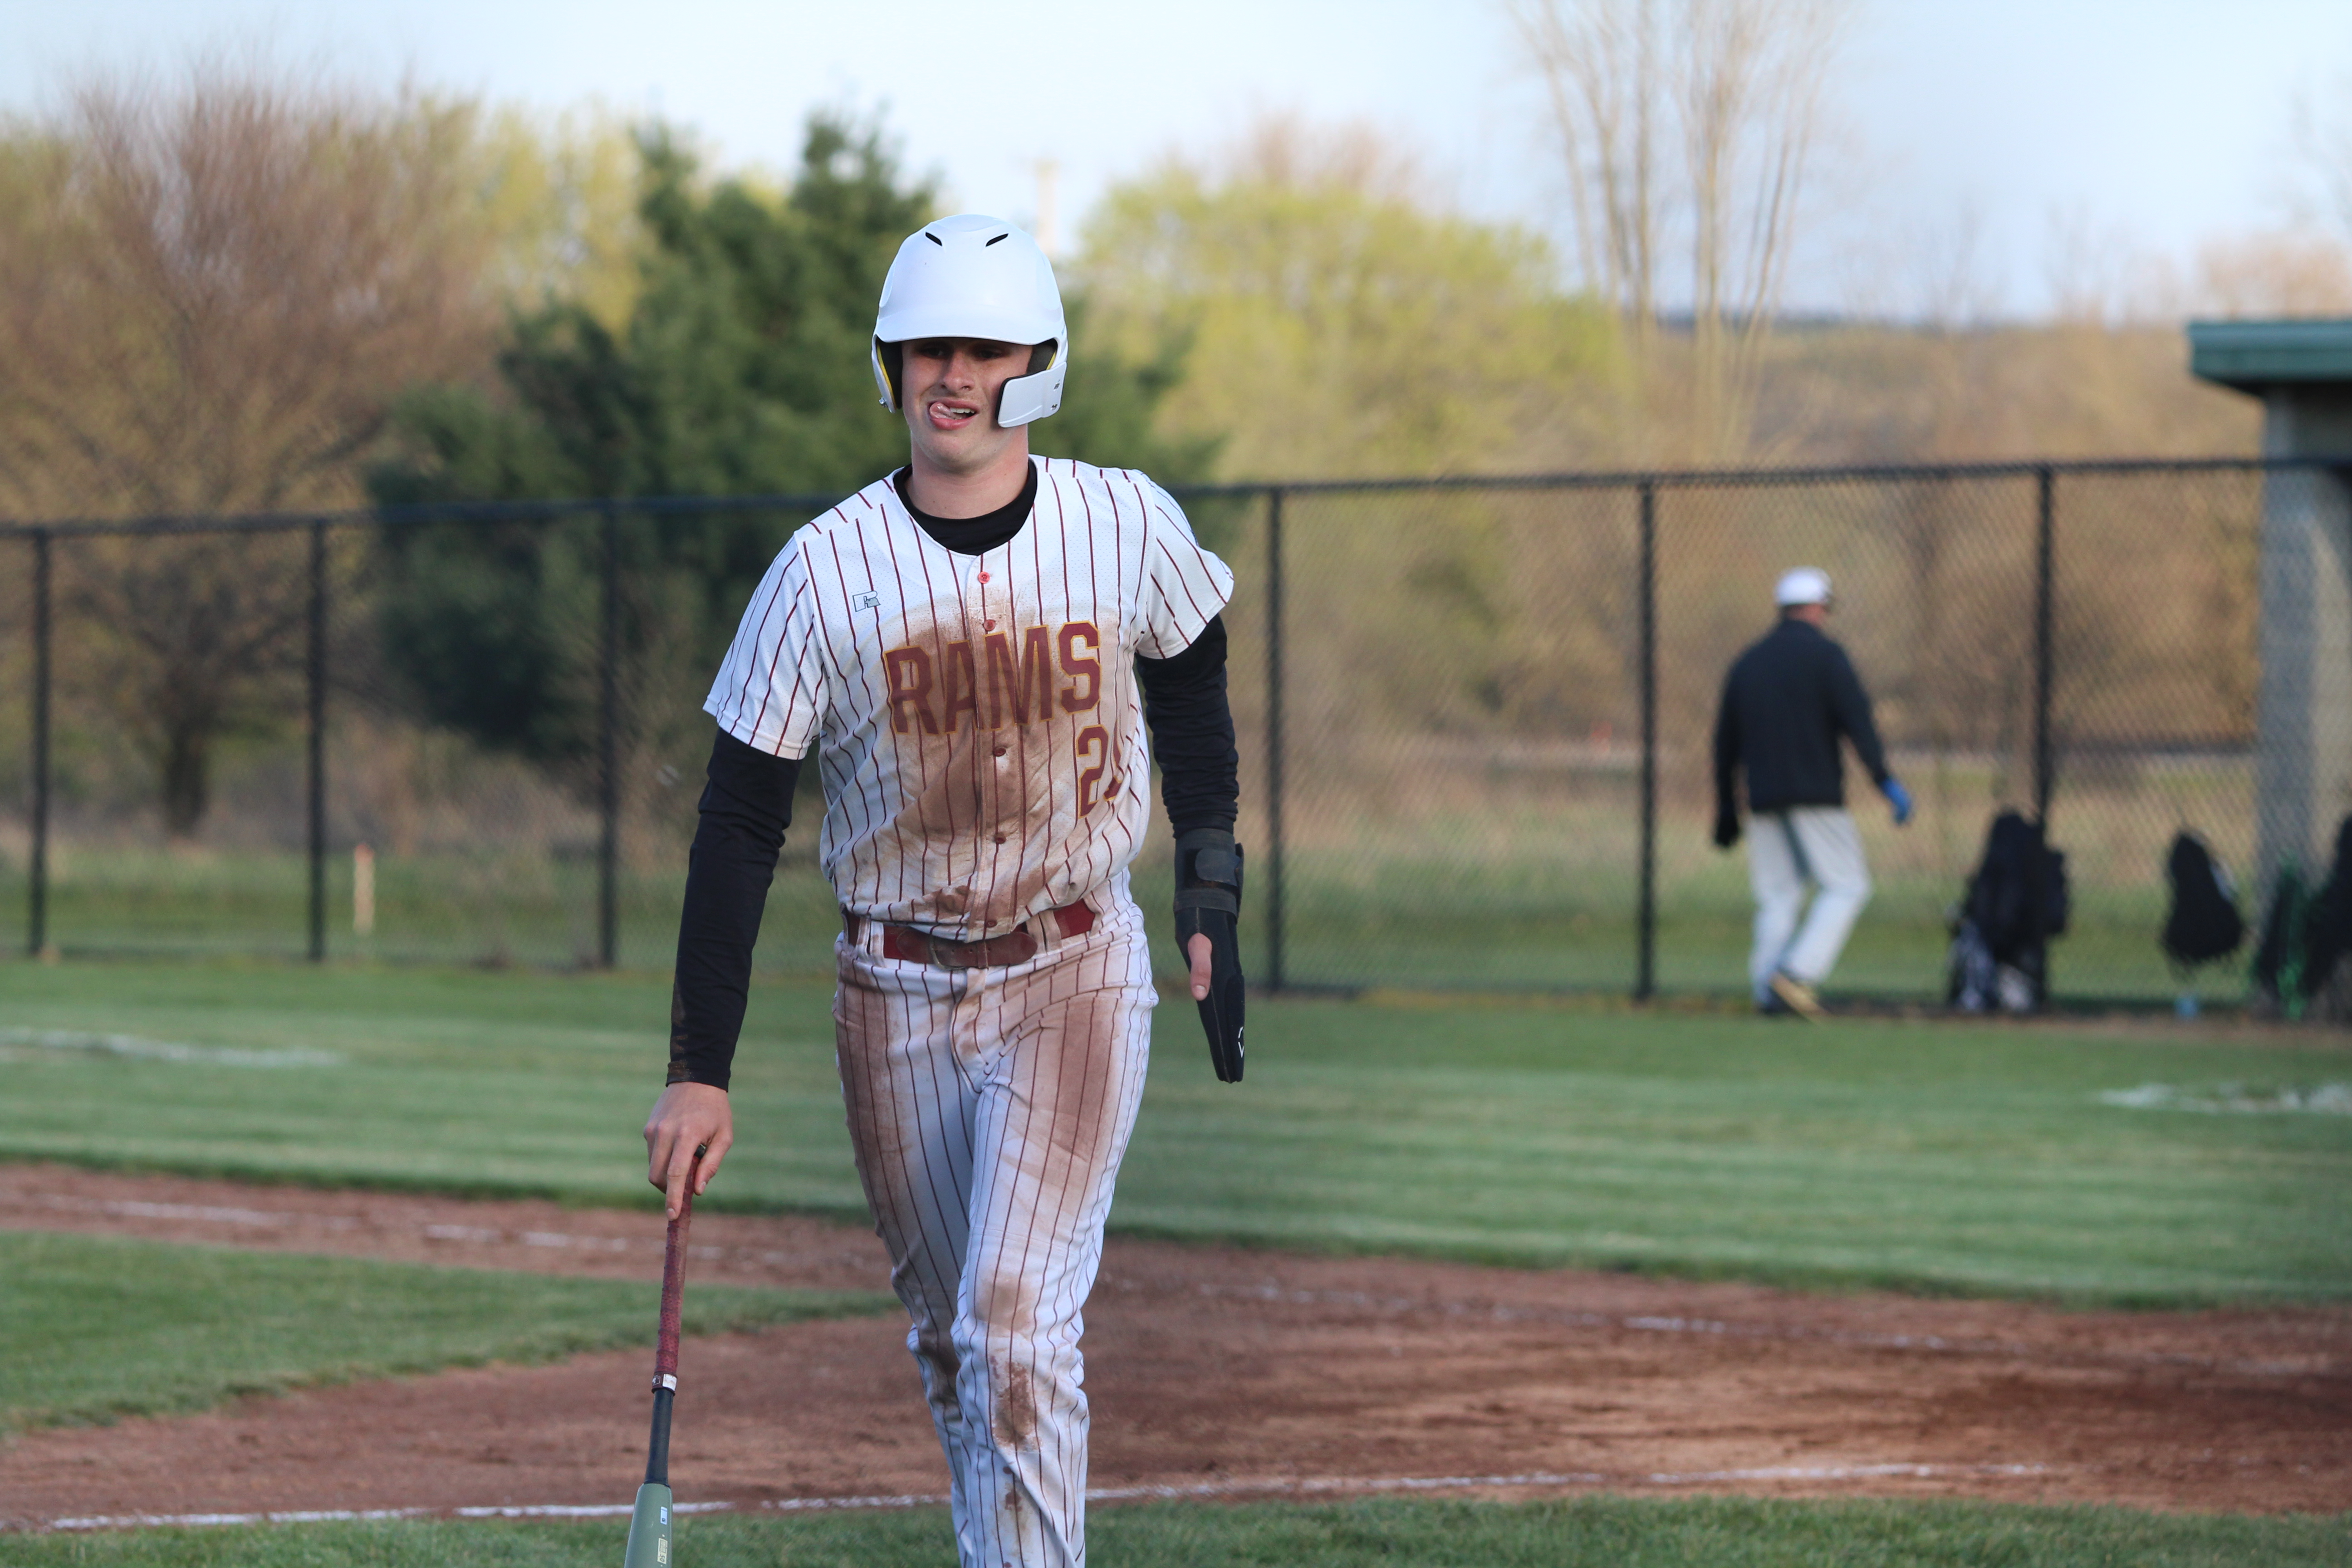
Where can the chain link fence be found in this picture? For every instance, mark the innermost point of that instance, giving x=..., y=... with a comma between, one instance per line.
x=1475, y=716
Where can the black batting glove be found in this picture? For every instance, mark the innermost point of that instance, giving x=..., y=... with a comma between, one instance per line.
x=1208, y=903
x=1727, y=827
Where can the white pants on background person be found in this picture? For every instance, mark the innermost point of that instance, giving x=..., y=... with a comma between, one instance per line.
x=1815, y=846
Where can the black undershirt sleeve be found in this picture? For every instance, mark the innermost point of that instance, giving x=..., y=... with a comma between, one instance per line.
x=1192, y=732
x=747, y=804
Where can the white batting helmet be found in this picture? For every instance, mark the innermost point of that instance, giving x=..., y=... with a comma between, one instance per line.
x=973, y=276
x=1803, y=585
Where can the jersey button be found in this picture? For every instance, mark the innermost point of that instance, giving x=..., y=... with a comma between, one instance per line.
x=1000, y=838
x=999, y=751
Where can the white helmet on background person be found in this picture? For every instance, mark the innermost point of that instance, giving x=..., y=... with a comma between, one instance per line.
x=973, y=276
x=1803, y=585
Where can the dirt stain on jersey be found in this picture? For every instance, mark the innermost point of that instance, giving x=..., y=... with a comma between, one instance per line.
x=999, y=723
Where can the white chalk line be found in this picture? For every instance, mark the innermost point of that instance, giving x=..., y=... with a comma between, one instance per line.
x=1264, y=1487
x=1311, y=1485
x=2232, y=1098
x=134, y=1048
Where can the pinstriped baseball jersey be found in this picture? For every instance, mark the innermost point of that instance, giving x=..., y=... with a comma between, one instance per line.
x=976, y=718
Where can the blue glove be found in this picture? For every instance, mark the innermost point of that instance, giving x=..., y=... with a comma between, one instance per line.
x=1898, y=798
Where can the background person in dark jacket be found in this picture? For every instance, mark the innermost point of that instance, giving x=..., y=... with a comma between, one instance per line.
x=1786, y=703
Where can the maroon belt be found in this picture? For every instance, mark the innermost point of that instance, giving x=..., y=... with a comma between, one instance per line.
x=1018, y=945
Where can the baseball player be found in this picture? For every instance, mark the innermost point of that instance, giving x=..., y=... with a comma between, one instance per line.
x=1786, y=703
x=973, y=651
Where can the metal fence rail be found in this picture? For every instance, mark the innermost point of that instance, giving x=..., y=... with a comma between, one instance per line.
x=1475, y=716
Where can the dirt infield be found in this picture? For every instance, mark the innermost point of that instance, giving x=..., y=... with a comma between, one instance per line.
x=1214, y=1368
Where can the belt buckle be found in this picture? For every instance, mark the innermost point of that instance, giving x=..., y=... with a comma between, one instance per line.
x=1017, y=946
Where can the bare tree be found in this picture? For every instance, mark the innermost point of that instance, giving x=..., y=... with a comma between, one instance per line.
x=1696, y=121
x=2319, y=188
x=1599, y=62
x=213, y=291
x=2273, y=274
x=2093, y=269
x=210, y=293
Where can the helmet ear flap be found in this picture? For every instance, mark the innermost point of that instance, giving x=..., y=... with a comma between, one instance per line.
x=1039, y=393
x=890, y=371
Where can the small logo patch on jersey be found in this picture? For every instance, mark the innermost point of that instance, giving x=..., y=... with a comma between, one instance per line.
x=867, y=601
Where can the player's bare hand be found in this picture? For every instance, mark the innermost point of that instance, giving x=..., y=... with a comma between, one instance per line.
x=1198, y=950
x=688, y=1118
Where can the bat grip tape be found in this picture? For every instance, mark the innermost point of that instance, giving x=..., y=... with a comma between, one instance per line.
x=673, y=1298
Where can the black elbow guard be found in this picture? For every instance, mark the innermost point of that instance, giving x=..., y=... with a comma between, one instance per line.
x=1208, y=903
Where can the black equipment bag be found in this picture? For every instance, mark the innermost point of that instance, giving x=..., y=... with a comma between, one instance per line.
x=2306, y=932
x=2328, y=936
x=2016, y=903
x=2278, y=957
x=2203, y=923
x=2018, y=899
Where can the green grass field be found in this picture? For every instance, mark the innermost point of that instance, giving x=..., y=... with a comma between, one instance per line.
x=1584, y=1532
x=2138, y=1165
x=1973, y=1158
x=92, y=1327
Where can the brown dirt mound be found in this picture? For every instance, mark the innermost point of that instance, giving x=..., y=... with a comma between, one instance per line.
x=1218, y=1369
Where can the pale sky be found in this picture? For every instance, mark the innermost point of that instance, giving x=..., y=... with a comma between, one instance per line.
x=2145, y=126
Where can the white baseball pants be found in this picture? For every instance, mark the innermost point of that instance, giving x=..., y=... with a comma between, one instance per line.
x=990, y=1109
x=1786, y=851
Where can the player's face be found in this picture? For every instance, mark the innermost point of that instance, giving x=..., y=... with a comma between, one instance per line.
x=952, y=388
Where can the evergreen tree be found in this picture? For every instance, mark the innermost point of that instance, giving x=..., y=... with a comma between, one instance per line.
x=742, y=370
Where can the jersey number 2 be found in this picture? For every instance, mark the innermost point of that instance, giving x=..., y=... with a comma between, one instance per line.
x=1093, y=755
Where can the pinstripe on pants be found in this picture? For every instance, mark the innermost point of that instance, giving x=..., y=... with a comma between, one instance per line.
x=989, y=1109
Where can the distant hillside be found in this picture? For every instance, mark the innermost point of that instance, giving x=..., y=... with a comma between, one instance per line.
x=1870, y=393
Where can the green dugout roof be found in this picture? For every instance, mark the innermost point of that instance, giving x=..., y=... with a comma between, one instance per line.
x=2253, y=356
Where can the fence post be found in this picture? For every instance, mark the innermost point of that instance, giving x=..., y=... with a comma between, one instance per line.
x=608, y=754
x=1645, y=976
x=2044, y=652
x=1276, y=916
x=2045, y=659
x=318, y=682
x=37, y=929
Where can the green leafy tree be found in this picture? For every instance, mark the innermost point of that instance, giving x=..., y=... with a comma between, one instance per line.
x=741, y=370
x=1341, y=323
x=1344, y=323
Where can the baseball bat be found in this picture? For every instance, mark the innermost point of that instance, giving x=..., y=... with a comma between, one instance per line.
x=649, y=1525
